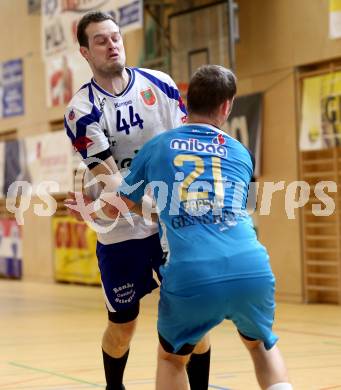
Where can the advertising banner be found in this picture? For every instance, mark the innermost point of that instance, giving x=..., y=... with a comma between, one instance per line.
x=75, y=251
x=11, y=88
x=49, y=159
x=2, y=169
x=321, y=112
x=10, y=249
x=334, y=19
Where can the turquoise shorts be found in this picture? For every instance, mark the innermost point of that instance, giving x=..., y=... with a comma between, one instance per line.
x=186, y=316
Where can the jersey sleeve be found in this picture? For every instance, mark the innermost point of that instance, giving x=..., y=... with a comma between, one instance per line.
x=83, y=125
x=177, y=106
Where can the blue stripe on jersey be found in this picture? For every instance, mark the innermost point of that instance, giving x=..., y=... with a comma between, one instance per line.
x=132, y=80
x=91, y=94
x=69, y=131
x=170, y=91
x=84, y=86
x=83, y=122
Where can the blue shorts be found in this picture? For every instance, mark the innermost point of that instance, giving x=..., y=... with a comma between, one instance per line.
x=127, y=270
x=186, y=316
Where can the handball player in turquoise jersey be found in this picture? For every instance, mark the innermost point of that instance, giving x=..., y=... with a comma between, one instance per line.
x=216, y=268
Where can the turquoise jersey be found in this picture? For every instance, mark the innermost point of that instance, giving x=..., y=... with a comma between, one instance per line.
x=200, y=177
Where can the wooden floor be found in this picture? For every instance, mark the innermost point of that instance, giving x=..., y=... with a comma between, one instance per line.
x=50, y=339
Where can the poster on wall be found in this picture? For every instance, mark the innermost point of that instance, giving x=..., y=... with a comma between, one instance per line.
x=45, y=162
x=245, y=124
x=2, y=169
x=334, y=19
x=321, y=112
x=65, y=69
x=75, y=251
x=14, y=166
x=33, y=6
x=49, y=159
x=60, y=18
x=10, y=249
x=12, y=90
x=65, y=74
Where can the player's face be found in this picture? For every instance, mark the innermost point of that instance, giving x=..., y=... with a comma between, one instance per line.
x=106, y=54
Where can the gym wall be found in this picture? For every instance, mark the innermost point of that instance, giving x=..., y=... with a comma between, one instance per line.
x=276, y=38
x=21, y=39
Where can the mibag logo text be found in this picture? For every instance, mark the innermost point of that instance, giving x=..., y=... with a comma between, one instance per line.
x=194, y=145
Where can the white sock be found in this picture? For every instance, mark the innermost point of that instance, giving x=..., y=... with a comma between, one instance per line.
x=280, y=386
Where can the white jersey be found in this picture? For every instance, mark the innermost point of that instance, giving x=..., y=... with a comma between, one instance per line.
x=100, y=124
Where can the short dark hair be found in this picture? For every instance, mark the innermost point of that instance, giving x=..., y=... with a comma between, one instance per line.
x=90, y=17
x=210, y=86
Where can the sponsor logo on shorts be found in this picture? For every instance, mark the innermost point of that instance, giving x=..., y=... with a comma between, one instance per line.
x=124, y=293
x=194, y=145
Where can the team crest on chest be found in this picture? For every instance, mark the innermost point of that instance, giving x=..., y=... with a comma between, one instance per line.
x=148, y=97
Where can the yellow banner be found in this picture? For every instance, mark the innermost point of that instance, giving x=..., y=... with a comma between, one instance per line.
x=321, y=112
x=334, y=19
x=75, y=251
x=334, y=5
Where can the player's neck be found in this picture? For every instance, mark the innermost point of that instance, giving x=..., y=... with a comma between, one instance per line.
x=114, y=85
x=194, y=118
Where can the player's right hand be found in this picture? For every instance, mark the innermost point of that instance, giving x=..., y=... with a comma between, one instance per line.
x=79, y=206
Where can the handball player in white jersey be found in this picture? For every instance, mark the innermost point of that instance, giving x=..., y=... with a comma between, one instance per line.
x=108, y=120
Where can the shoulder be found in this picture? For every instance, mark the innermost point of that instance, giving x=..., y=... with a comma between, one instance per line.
x=241, y=149
x=156, y=140
x=164, y=140
x=81, y=96
x=82, y=104
x=154, y=74
x=153, y=145
x=82, y=110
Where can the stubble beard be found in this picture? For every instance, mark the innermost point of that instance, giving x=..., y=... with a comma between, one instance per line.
x=111, y=70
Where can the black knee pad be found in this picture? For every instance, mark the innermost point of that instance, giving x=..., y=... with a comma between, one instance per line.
x=246, y=337
x=186, y=349
x=123, y=316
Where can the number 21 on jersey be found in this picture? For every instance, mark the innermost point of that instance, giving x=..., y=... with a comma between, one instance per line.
x=185, y=193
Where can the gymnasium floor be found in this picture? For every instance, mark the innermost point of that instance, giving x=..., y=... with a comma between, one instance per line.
x=50, y=340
